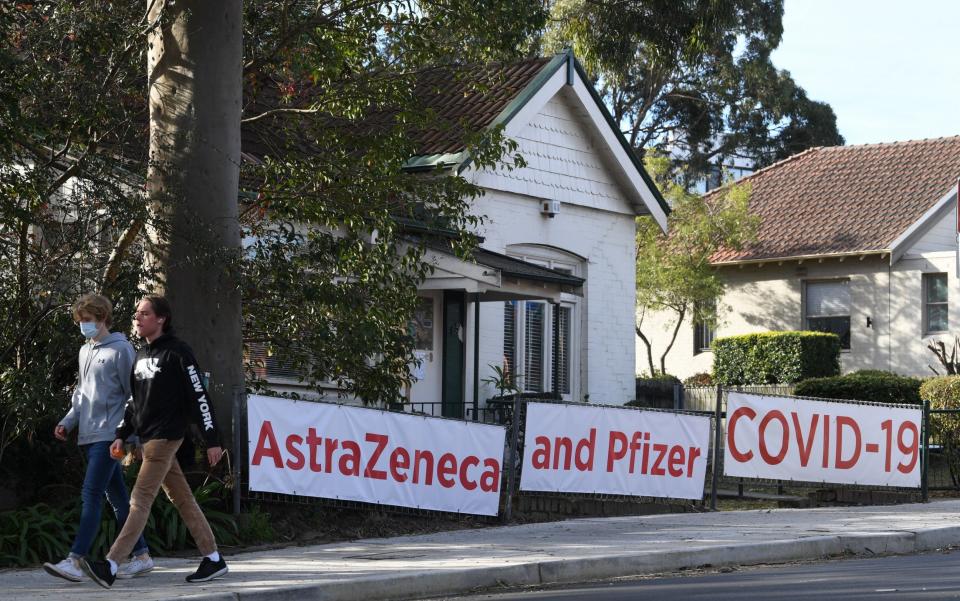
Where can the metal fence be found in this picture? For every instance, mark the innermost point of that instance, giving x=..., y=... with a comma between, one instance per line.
x=940, y=453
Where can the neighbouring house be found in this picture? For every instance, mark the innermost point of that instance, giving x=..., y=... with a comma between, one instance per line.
x=856, y=240
x=549, y=297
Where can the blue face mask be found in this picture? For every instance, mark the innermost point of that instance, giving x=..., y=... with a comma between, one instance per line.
x=89, y=329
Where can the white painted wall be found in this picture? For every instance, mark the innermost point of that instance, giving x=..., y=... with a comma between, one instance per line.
x=566, y=162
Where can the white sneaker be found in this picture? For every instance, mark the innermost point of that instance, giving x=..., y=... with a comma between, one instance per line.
x=135, y=567
x=68, y=569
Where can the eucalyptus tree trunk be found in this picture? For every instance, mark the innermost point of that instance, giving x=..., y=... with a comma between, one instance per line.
x=193, y=238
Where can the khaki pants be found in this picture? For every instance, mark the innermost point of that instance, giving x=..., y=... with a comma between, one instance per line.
x=160, y=468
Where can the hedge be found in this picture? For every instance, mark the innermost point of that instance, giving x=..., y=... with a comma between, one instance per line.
x=944, y=393
x=775, y=357
x=654, y=392
x=867, y=385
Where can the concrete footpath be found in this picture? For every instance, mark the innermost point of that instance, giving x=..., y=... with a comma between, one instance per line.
x=413, y=567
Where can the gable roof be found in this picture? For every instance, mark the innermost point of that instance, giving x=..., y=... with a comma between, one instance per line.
x=505, y=94
x=840, y=200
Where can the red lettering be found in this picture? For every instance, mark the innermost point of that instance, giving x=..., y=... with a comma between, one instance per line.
x=805, y=447
x=675, y=465
x=490, y=479
x=464, y=480
x=588, y=444
x=616, y=439
x=731, y=429
x=562, y=443
x=661, y=451
x=263, y=450
x=840, y=462
x=826, y=441
x=693, y=453
x=541, y=455
x=350, y=456
x=446, y=467
x=381, y=441
x=293, y=442
x=427, y=457
x=399, y=460
x=328, y=449
x=784, y=437
x=313, y=441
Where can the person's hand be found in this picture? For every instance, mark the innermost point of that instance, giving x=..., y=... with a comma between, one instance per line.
x=60, y=432
x=213, y=455
x=116, y=449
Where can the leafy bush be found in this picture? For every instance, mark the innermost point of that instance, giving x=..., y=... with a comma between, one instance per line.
x=43, y=533
x=699, y=379
x=655, y=392
x=255, y=526
x=944, y=393
x=866, y=385
x=775, y=357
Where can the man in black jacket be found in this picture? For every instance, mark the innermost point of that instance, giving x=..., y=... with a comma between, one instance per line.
x=167, y=391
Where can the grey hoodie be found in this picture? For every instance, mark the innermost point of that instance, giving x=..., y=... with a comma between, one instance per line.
x=103, y=389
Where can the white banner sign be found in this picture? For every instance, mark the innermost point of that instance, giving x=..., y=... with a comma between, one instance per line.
x=573, y=448
x=817, y=441
x=361, y=454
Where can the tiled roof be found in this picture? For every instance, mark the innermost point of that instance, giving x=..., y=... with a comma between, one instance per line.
x=846, y=199
x=469, y=100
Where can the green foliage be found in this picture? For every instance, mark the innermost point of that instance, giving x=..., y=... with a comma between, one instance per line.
x=41, y=533
x=866, y=385
x=655, y=391
x=74, y=158
x=944, y=393
x=35, y=534
x=699, y=379
x=255, y=526
x=695, y=74
x=502, y=380
x=674, y=275
x=775, y=357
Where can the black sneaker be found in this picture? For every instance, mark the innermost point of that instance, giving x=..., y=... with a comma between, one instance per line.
x=99, y=572
x=209, y=570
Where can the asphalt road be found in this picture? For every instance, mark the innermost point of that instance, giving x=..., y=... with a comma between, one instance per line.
x=907, y=577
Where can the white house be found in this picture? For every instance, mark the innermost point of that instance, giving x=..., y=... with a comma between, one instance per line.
x=551, y=295
x=857, y=240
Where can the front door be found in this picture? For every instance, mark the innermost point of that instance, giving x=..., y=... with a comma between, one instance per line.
x=454, y=332
x=426, y=332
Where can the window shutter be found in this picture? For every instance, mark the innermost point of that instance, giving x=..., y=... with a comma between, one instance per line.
x=510, y=339
x=561, y=361
x=533, y=347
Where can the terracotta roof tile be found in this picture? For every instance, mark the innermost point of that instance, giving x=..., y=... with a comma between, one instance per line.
x=846, y=199
x=469, y=100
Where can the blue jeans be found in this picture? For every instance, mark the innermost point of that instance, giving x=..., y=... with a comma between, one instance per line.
x=103, y=477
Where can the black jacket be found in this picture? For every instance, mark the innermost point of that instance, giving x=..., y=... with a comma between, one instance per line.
x=168, y=390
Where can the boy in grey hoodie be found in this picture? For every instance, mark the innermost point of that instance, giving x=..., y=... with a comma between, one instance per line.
x=97, y=405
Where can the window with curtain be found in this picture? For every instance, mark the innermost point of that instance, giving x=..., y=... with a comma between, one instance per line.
x=537, y=334
x=827, y=308
x=704, y=331
x=935, y=311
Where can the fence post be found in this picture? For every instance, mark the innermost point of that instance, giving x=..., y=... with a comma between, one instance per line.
x=238, y=406
x=925, y=456
x=514, y=441
x=717, y=433
x=677, y=391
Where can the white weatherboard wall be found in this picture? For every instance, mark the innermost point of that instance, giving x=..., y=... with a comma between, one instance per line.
x=769, y=297
x=567, y=162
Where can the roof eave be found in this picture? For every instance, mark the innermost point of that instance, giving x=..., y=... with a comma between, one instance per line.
x=812, y=257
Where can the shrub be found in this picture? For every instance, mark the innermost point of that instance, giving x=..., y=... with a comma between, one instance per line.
x=655, y=392
x=944, y=393
x=867, y=385
x=699, y=379
x=775, y=357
